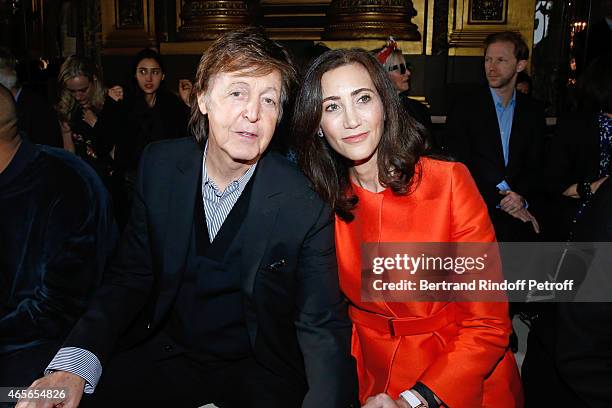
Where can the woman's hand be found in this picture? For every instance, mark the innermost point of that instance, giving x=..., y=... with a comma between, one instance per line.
x=89, y=117
x=385, y=401
x=184, y=88
x=572, y=191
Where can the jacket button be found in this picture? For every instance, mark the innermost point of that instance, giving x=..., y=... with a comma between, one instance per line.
x=168, y=348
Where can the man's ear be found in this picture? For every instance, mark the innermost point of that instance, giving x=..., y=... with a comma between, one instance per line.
x=163, y=77
x=521, y=65
x=202, y=103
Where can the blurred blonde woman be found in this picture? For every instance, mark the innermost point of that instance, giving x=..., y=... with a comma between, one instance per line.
x=90, y=120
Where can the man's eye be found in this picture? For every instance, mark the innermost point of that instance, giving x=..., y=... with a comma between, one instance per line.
x=236, y=93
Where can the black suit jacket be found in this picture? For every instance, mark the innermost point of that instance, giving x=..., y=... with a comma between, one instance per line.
x=37, y=119
x=473, y=137
x=569, y=354
x=295, y=315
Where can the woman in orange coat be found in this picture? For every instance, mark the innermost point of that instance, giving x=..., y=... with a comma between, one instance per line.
x=370, y=163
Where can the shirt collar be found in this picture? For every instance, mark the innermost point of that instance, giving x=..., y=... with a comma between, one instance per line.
x=498, y=101
x=240, y=183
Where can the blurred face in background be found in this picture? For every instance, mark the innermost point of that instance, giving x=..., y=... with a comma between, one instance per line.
x=398, y=72
x=81, y=89
x=149, y=75
x=8, y=78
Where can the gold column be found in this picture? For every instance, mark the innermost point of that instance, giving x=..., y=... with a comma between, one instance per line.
x=371, y=19
x=206, y=20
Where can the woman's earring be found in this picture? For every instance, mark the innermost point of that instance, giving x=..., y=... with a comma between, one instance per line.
x=320, y=133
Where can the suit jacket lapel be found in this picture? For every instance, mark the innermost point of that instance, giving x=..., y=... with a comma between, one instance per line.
x=517, y=134
x=179, y=221
x=266, y=198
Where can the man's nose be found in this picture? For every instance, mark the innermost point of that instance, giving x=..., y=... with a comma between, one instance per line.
x=251, y=111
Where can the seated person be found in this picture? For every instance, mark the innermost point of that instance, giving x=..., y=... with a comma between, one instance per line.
x=56, y=232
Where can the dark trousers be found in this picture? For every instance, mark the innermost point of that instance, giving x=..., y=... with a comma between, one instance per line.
x=20, y=368
x=133, y=378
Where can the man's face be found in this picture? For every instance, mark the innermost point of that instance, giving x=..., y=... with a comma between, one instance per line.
x=242, y=111
x=501, y=66
x=8, y=78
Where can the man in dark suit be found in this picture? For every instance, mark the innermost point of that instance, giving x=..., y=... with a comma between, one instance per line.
x=498, y=133
x=56, y=235
x=36, y=118
x=225, y=287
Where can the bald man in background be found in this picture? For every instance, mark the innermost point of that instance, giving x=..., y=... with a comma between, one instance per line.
x=56, y=234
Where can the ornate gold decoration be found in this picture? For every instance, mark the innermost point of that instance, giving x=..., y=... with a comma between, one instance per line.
x=206, y=20
x=466, y=37
x=371, y=19
x=127, y=26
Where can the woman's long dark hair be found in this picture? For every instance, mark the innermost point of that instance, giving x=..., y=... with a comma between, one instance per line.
x=401, y=145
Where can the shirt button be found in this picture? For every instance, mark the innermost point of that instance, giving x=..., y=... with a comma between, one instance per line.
x=168, y=348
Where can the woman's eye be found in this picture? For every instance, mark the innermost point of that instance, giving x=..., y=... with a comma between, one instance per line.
x=365, y=98
x=331, y=107
x=236, y=93
x=269, y=101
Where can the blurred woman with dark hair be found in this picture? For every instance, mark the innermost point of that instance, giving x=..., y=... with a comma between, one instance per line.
x=581, y=150
x=371, y=164
x=151, y=113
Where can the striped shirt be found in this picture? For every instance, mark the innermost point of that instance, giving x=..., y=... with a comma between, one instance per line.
x=217, y=206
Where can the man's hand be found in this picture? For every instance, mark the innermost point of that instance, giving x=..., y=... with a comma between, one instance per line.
x=71, y=383
x=116, y=92
x=512, y=202
x=525, y=216
x=385, y=401
x=184, y=88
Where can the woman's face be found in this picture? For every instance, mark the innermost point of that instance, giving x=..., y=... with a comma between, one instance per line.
x=399, y=75
x=149, y=75
x=353, y=115
x=81, y=89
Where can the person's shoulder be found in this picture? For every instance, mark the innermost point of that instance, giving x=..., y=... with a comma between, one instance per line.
x=70, y=171
x=441, y=169
x=288, y=171
x=287, y=175
x=171, y=149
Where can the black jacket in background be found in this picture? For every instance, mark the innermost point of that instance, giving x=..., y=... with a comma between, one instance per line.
x=168, y=119
x=37, y=119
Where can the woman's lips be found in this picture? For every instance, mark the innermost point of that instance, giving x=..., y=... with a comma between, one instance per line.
x=355, y=138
